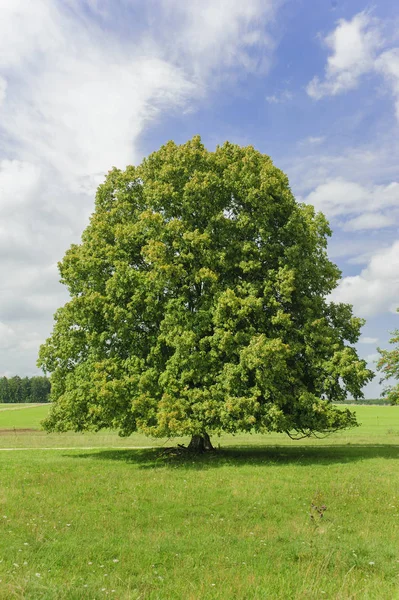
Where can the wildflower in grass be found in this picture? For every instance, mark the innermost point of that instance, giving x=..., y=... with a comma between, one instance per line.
x=115, y=560
x=37, y=574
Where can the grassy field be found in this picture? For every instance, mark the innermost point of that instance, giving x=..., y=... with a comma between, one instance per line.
x=136, y=524
x=377, y=423
x=22, y=416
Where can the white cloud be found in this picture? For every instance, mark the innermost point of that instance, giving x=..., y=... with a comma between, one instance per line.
x=356, y=249
x=315, y=139
x=216, y=35
x=368, y=340
x=280, y=97
x=19, y=183
x=342, y=198
x=388, y=65
x=76, y=93
x=26, y=28
x=7, y=336
x=369, y=221
x=337, y=197
x=363, y=258
x=3, y=89
x=83, y=106
x=357, y=49
x=376, y=289
x=371, y=359
x=371, y=163
x=353, y=45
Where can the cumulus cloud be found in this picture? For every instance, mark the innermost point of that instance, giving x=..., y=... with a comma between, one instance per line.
x=19, y=184
x=82, y=107
x=315, y=139
x=202, y=36
x=76, y=93
x=7, y=336
x=371, y=220
x=368, y=340
x=372, y=358
x=280, y=97
x=362, y=206
x=357, y=48
x=216, y=35
x=369, y=163
x=353, y=45
x=388, y=64
x=3, y=89
x=357, y=250
x=376, y=289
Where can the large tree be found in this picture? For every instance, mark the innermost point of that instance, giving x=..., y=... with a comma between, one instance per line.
x=199, y=304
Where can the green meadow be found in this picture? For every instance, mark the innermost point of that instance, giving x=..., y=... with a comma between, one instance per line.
x=20, y=416
x=261, y=518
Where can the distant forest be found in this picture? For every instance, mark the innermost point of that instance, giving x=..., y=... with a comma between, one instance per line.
x=24, y=389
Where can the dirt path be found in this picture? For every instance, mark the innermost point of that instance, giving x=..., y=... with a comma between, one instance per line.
x=16, y=430
x=22, y=406
x=85, y=448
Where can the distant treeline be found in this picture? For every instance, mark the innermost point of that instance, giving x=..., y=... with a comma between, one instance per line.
x=379, y=401
x=24, y=389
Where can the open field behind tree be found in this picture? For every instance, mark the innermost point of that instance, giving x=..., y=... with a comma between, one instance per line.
x=379, y=425
x=238, y=523
x=17, y=417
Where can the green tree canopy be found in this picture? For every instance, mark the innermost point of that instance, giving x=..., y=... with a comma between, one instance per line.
x=388, y=364
x=199, y=304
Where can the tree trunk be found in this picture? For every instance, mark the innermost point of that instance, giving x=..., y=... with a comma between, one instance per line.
x=200, y=443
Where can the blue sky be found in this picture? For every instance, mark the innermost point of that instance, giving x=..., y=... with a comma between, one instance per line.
x=88, y=84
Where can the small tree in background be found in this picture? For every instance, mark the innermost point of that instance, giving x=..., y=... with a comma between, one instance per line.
x=199, y=305
x=388, y=364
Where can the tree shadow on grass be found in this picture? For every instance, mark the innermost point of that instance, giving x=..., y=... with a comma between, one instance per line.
x=247, y=455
